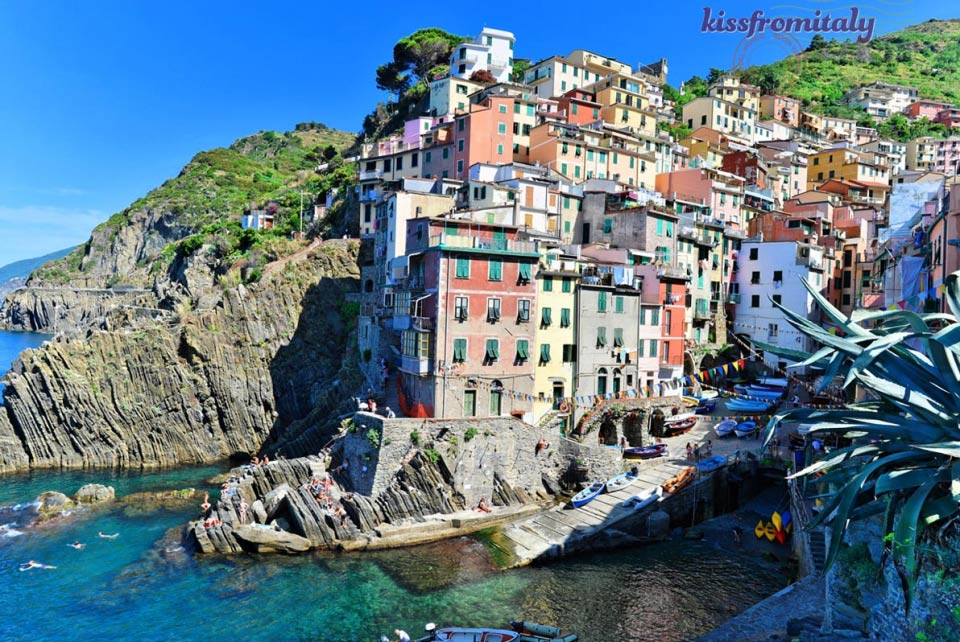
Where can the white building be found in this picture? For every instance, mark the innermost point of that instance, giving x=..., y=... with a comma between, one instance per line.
x=491, y=50
x=772, y=272
x=882, y=100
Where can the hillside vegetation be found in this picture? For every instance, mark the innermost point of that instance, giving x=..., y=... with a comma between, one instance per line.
x=268, y=169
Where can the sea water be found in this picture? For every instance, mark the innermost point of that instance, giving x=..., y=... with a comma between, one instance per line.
x=143, y=585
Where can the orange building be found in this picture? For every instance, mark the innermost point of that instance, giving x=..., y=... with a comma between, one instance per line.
x=484, y=134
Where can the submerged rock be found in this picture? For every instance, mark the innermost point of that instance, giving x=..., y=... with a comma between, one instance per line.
x=52, y=504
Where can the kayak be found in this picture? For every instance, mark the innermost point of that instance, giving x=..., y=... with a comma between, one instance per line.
x=760, y=531
x=770, y=531
x=725, y=428
x=586, y=495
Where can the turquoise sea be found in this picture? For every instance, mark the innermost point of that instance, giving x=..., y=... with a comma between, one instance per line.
x=144, y=586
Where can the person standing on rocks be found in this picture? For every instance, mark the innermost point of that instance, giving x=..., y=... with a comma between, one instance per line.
x=243, y=511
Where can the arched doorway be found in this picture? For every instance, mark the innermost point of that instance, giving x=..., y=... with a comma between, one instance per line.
x=602, y=381
x=633, y=427
x=496, y=398
x=656, y=423
x=608, y=430
x=617, y=380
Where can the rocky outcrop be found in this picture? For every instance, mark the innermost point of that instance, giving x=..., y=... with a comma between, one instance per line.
x=235, y=378
x=49, y=309
x=94, y=494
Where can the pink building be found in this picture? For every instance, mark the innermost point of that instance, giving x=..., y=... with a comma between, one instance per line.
x=721, y=192
x=948, y=117
x=925, y=109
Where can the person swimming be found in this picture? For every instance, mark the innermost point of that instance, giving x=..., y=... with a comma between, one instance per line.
x=26, y=566
x=78, y=545
x=105, y=536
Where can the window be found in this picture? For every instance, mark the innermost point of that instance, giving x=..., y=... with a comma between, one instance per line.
x=460, y=145
x=399, y=163
x=546, y=317
x=640, y=348
x=778, y=276
x=459, y=350
x=493, y=310
x=777, y=298
x=755, y=301
x=601, y=336
x=607, y=225
x=496, y=395
x=653, y=347
x=461, y=308
x=755, y=278
x=502, y=128
x=469, y=403
x=523, y=310
x=548, y=284
x=503, y=109
x=492, y=353
x=573, y=108
x=666, y=352
x=566, y=284
x=669, y=229
x=524, y=273
x=618, y=337
x=460, y=167
x=460, y=124
x=413, y=159
x=602, y=381
x=618, y=304
x=564, y=317
x=463, y=267
x=427, y=157
x=601, y=301
x=500, y=150
x=569, y=353
x=544, y=353
x=772, y=330
x=523, y=350
x=659, y=227
x=655, y=316
x=754, y=253
x=446, y=153
x=495, y=270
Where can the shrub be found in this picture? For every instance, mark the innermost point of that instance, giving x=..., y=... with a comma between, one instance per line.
x=373, y=436
x=415, y=438
x=432, y=454
x=470, y=434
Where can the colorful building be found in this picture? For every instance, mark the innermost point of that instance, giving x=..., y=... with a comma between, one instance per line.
x=491, y=51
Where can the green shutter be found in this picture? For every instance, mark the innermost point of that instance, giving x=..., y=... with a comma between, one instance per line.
x=566, y=284
x=607, y=225
x=523, y=351
x=548, y=284
x=640, y=349
x=459, y=349
x=659, y=227
x=618, y=337
x=601, y=302
x=618, y=303
x=524, y=271
x=653, y=347
x=493, y=350
x=545, y=353
x=655, y=316
x=643, y=316
x=495, y=270
x=463, y=267
x=547, y=318
x=601, y=336
x=565, y=317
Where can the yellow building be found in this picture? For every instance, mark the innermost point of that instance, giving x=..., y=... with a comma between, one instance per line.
x=624, y=102
x=843, y=163
x=730, y=89
x=556, y=350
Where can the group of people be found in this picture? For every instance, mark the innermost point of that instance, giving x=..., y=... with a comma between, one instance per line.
x=29, y=565
x=694, y=453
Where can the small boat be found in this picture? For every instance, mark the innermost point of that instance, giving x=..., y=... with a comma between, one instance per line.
x=519, y=632
x=706, y=407
x=713, y=463
x=643, y=499
x=770, y=531
x=621, y=481
x=586, y=495
x=708, y=394
x=779, y=382
x=679, y=427
x=690, y=401
x=678, y=482
x=744, y=405
x=787, y=521
x=644, y=452
x=745, y=429
x=760, y=531
x=683, y=416
x=725, y=428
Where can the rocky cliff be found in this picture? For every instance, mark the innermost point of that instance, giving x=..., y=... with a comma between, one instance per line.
x=234, y=369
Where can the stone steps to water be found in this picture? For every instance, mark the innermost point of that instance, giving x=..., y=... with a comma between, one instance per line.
x=818, y=549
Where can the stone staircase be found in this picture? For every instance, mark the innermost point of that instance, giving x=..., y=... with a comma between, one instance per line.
x=391, y=396
x=818, y=549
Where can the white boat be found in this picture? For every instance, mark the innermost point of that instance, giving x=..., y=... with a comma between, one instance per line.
x=683, y=416
x=645, y=498
x=708, y=394
x=780, y=382
x=621, y=481
x=725, y=428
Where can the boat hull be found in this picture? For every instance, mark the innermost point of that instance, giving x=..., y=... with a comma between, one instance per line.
x=587, y=495
x=620, y=482
x=644, y=452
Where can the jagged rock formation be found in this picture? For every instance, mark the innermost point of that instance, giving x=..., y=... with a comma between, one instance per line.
x=198, y=387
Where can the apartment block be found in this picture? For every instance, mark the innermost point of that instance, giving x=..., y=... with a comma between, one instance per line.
x=491, y=51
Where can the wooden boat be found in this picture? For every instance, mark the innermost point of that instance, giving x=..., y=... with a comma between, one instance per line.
x=712, y=464
x=586, y=495
x=683, y=416
x=690, y=401
x=745, y=429
x=621, y=481
x=644, y=499
x=770, y=531
x=745, y=405
x=644, y=452
x=519, y=632
x=706, y=407
x=760, y=531
x=679, y=428
x=681, y=480
x=707, y=395
x=725, y=428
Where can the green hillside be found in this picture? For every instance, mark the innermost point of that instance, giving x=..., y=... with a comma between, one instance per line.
x=23, y=268
x=926, y=56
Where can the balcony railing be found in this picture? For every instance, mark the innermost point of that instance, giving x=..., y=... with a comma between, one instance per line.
x=479, y=243
x=416, y=365
x=423, y=324
x=371, y=175
x=672, y=272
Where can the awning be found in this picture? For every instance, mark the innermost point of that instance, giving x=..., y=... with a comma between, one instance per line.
x=522, y=349
x=546, y=316
x=545, y=353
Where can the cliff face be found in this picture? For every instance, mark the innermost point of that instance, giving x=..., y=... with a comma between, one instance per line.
x=148, y=390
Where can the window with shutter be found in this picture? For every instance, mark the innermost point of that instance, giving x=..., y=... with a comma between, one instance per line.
x=524, y=273
x=459, y=350
x=618, y=304
x=565, y=317
x=601, y=336
x=495, y=270
x=493, y=350
x=463, y=267
x=545, y=353
x=546, y=317
x=618, y=337
x=523, y=350
x=601, y=302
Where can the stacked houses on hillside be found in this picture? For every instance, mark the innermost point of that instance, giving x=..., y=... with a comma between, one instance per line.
x=541, y=243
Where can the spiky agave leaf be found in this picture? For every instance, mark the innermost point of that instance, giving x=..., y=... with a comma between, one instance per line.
x=905, y=456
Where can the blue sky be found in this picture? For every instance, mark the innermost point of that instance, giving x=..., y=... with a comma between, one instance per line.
x=101, y=101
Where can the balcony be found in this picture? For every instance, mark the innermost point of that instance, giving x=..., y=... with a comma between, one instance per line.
x=701, y=311
x=416, y=365
x=370, y=175
x=423, y=324
x=369, y=195
x=733, y=298
x=672, y=272
x=445, y=241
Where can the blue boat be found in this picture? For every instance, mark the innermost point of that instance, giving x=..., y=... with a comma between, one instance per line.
x=745, y=405
x=644, y=452
x=725, y=428
x=587, y=495
x=712, y=464
x=622, y=480
x=746, y=429
x=706, y=407
x=760, y=393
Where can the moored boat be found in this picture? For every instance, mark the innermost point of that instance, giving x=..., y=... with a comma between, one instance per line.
x=708, y=394
x=587, y=495
x=725, y=428
x=621, y=481
x=744, y=405
x=679, y=481
x=518, y=632
x=745, y=429
x=779, y=382
x=711, y=464
x=643, y=499
x=690, y=401
x=679, y=427
x=683, y=416
x=706, y=407
x=644, y=452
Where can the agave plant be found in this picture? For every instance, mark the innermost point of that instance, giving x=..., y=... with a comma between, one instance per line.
x=904, y=460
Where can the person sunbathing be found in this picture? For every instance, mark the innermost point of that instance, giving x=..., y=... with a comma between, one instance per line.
x=483, y=506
